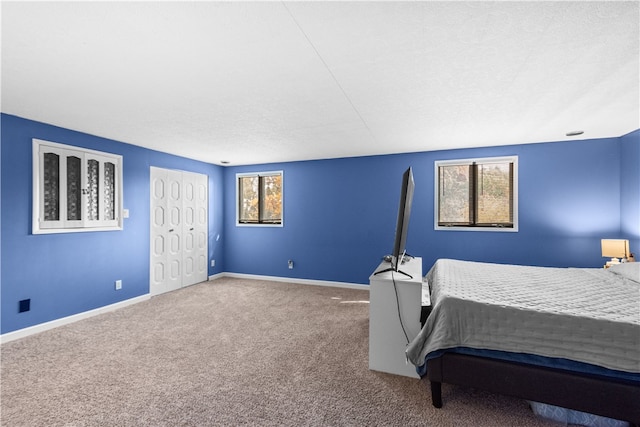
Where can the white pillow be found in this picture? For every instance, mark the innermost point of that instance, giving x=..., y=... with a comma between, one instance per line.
x=630, y=270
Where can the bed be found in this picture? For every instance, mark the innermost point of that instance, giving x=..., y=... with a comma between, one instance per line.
x=568, y=337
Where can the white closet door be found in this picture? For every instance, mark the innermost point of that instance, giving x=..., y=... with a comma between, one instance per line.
x=189, y=232
x=175, y=231
x=201, y=222
x=159, y=232
x=179, y=237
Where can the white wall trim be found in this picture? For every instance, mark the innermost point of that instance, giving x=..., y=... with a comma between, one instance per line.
x=31, y=330
x=296, y=280
x=217, y=276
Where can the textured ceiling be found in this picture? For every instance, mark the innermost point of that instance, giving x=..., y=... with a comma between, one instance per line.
x=278, y=81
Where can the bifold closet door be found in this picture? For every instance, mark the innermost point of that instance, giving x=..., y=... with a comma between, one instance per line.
x=179, y=218
x=195, y=216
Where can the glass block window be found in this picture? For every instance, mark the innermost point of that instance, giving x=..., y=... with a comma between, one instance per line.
x=259, y=198
x=75, y=189
x=51, y=186
x=477, y=194
x=93, y=197
x=108, y=187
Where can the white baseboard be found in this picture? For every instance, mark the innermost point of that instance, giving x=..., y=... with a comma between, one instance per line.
x=31, y=330
x=298, y=281
x=216, y=276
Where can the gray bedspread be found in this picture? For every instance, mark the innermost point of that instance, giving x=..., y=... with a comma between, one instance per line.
x=583, y=314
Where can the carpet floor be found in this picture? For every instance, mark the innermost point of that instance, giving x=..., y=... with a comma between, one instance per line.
x=228, y=352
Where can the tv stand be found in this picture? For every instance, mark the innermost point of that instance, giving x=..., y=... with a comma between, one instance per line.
x=387, y=342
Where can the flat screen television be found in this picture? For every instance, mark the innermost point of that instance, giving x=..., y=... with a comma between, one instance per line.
x=402, y=225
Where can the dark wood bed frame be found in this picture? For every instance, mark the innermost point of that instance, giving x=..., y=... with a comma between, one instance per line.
x=613, y=398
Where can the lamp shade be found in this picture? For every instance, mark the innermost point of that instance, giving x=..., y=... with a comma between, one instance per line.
x=616, y=248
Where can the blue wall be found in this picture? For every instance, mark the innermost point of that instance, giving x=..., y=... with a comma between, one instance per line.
x=339, y=219
x=339, y=215
x=630, y=190
x=66, y=274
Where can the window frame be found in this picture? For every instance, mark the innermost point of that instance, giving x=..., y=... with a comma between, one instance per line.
x=85, y=224
x=466, y=162
x=260, y=175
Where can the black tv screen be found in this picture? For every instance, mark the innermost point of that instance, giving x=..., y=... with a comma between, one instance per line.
x=402, y=225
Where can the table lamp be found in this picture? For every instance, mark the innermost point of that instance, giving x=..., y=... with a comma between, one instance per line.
x=615, y=248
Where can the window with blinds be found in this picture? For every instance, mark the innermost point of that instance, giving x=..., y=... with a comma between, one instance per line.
x=259, y=197
x=478, y=194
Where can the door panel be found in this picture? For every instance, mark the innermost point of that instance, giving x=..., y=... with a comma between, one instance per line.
x=201, y=227
x=174, y=218
x=158, y=217
x=175, y=271
x=165, y=267
x=158, y=273
x=158, y=188
x=174, y=232
x=159, y=246
x=174, y=245
x=188, y=206
x=158, y=230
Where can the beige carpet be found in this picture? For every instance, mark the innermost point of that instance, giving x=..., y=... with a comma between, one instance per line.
x=228, y=352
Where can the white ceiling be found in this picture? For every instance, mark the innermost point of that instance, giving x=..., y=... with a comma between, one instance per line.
x=265, y=82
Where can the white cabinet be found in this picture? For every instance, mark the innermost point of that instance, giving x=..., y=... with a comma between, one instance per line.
x=387, y=340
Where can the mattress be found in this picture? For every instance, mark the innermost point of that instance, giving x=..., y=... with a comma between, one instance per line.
x=586, y=315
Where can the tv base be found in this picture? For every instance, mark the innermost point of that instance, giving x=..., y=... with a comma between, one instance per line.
x=392, y=269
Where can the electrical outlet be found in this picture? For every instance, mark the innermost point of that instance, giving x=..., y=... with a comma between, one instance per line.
x=118, y=285
x=24, y=305
x=290, y=264
x=213, y=263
